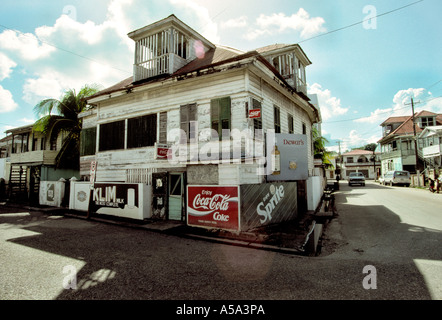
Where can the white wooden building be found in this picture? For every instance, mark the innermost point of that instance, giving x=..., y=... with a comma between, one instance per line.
x=182, y=81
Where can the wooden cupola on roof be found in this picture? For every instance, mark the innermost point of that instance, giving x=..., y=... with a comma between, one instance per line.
x=164, y=47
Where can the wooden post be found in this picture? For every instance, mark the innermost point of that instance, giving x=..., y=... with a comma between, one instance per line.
x=91, y=192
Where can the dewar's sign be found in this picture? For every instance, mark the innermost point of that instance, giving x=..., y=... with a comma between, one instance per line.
x=213, y=207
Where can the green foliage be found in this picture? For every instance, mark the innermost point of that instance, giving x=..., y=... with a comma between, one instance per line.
x=320, y=152
x=61, y=116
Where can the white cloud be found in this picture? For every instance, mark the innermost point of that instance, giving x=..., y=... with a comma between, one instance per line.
x=403, y=97
x=7, y=103
x=239, y=22
x=355, y=140
x=206, y=26
x=88, y=53
x=279, y=23
x=26, y=45
x=6, y=66
x=377, y=116
x=423, y=100
x=46, y=86
x=330, y=106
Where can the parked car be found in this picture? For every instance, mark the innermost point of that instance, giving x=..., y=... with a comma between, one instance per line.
x=397, y=178
x=356, y=178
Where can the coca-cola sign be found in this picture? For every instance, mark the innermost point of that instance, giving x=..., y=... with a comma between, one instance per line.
x=213, y=207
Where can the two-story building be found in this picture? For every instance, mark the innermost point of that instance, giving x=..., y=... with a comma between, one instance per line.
x=399, y=140
x=31, y=159
x=196, y=114
x=364, y=161
x=430, y=139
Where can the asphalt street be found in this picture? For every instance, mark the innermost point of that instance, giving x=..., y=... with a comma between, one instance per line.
x=384, y=244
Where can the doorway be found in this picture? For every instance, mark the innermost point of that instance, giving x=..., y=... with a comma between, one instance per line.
x=176, y=196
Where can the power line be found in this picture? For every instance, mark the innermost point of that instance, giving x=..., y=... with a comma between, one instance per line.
x=65, y=50
x=360, y=22
x=345, y=120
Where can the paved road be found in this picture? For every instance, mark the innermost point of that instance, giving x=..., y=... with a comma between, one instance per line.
x=395, y=230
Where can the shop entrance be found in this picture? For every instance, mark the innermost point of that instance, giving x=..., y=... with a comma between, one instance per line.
x=176, y=196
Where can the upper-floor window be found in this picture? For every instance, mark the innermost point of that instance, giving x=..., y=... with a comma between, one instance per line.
x=291, y=124
x=20, y=143
x=257, y=122
x=112, y=136
x=88, y=141
x=220, y=115
x=142, y=131
x=277, y=119
x=426, y=121
x=362, y=159
x=188, y=122
x=349, y=159
x=34, y=144
x=43, y=143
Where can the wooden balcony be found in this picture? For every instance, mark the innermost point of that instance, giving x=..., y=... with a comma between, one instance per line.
x=34, y=157
x=432, y=151
x=152, y=67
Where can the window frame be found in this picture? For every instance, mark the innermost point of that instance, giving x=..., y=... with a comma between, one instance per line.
x=291, y=124
x=277, y=118
x=188, y=122
x=89, y=134
x=141, y=131
x=221, y=113
x=106, y=137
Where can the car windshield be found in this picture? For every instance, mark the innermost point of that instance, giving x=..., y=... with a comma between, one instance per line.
x=402, y=174
x=356, y=174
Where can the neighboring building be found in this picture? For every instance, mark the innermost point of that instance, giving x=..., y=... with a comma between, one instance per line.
x=184, y=84
x=364, y=161
x=431, y=141
x=5, y=159
x=398, y=141
x=31, y=158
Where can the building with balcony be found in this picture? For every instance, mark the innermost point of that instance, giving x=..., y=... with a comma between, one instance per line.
x=190, y=94
x=30, y=158
x=399, y=140
x=365, y=161
x=431, y=141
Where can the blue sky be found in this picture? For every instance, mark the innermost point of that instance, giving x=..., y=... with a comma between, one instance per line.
x=363, y=70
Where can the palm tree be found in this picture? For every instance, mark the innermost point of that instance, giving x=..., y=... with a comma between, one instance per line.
x=57, y=116
x=320, y=152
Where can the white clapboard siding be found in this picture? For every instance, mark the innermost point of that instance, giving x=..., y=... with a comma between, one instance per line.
x=170, y=96
x=167, y=97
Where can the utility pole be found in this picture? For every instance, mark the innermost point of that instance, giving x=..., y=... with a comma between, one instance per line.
x=415, y=144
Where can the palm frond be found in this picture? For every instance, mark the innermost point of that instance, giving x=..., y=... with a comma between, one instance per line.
x=61, y=115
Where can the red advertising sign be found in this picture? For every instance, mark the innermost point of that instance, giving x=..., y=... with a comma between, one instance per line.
x=93, y=170
x=161, y=151
x=254, y=113
x=213, y=207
